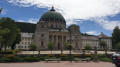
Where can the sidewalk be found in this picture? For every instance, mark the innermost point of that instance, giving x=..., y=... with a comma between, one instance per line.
x=56, y=64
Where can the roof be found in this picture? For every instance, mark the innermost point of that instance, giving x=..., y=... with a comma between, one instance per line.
x=52, y=15
x=29, y=35
x=26, y=27
x=103, y=36
x=89, y=38
x=57, y=30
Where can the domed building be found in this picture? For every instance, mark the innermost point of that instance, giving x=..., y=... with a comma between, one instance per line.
x=52, y=28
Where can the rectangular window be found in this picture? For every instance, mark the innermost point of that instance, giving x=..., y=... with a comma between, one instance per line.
x=42, y=35
x=18, y=46
x=42, y=43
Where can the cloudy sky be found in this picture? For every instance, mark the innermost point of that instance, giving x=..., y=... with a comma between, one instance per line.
x=93, y=16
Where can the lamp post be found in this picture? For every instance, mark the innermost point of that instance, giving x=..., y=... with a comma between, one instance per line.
x=44, y=51
x=39, y=51
x=70, y=48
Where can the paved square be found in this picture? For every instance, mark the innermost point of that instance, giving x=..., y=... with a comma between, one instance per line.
x=56, y=64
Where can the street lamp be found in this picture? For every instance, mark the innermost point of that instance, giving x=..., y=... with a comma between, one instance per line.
x=39, y=51
x=70, y=46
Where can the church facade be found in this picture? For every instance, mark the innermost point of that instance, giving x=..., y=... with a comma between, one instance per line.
x=52, y=28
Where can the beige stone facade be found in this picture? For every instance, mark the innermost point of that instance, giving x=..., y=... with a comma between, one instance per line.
x=52, y=27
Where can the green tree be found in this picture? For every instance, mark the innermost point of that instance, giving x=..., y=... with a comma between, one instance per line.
x=51, y=46
x=3, y=33
x=33, y=47
x=68, y=46
x=1, y=10
x=103, y=44
x=10, y=25
x=88, y=47
x=0, y=27
x=118, y=46
x=116, y=36
x=17, y=40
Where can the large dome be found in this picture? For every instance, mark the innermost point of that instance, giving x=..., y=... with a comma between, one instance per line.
x=52, y=15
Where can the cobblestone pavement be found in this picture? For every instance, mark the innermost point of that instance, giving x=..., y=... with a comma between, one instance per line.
x=60, y=64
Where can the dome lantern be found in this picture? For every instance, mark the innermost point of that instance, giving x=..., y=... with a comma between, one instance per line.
x=52, y=9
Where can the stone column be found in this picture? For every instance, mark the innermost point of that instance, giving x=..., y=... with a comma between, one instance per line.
x=62, y=42
x=52, y=38
x=62, y=45
x=56, y=43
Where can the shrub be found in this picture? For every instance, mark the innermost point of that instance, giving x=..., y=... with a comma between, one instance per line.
x=41, y=58
x=105, y=59
x=6, y=52
x=63, y=55
x=66, y=58
x=10, y=56
x=88, y=55
x=76, y=55
x=27, y=59
x=50, y=55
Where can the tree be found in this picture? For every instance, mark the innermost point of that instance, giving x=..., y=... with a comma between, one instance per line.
x=88, y=47
x=33, y=47
x=104, y=45
x=0, y=26
x=1, y=10
x=51, y=46
x=10, y=26
x=17, y=41
x=116, y=36
x=2, y=33
x=118, y=46
x=68, y=47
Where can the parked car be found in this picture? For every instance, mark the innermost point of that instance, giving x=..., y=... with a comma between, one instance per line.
x=116, y=59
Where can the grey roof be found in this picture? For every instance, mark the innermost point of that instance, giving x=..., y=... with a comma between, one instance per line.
x=103, y=36
x=58, y=30
x=29, y=35
x=89, y=38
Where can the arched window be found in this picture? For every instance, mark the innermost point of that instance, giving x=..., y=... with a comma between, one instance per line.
x=51, y=26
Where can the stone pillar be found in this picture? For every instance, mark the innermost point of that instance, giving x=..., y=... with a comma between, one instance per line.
x=62, y=42
x=52, y=38
x=62, y=45
x=56, y=43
